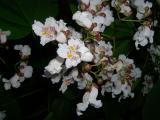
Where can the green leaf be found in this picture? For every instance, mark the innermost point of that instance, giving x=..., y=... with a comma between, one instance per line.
x=121, y=34
x=62, y=109
x=10, y=105
x=19, y=15
x=151, y=109
x=112, y=110
x=73, y=6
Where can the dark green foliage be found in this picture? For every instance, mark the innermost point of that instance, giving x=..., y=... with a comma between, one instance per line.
x=19, y=15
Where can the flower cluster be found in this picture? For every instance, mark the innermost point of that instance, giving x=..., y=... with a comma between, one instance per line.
x=86, y=60
x=93, y=15
x=23, y=70
x=120, y=77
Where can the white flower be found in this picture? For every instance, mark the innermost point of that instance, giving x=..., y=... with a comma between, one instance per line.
x=154, y=50
x=84, y=105
x=108, y=16
x=147, y=84
x=61, y=26
x=74, y=34
x=126, y=10
x=26, y=70
x=86, y=79
x=103, y=47
x=125, y=60
x=94, y=4
x=74, y=52
x=143, y=36
x=51, y=30
x=3, y=36
x=85, y=1
x=107, y=87
x=2, y=115
x=47, y=31
x=13, y=81
x=84, y=19
x=86, y=55
x=7, y=84
x=81, y=84
x=89, y=98
x=61, y=37
x=126, y=91
x=66, y=81
x=122, y=6
x=102, y=19
x=117, y=85
x=24, y=50
x=69, y=79
x=56, y=78
x=136, y=73
x=143, y=8
x=55, y=65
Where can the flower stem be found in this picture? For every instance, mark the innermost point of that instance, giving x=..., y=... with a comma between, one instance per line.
x=126, y=20
x=145, y=62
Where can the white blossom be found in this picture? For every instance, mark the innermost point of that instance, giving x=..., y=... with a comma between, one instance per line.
x=143, y=8
x=56, y=78
x=3, y=36
x=69, y=79
x=50, y=31
x=143, y=36
x=74, y=52
x=136, y=73
x=84, y=19
x=25, y=50
x=122, y=6
x=55, y=65
x=13, y=81
x=74, y=34
x=26, y=70
x=107, y=87
x=147, y=84
x=104, y=47
x=89, y=98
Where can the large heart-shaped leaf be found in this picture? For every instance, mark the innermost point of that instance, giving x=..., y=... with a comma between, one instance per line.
x=19, y=15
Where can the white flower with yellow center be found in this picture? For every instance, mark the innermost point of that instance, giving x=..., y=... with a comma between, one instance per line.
x=74, y=52
x=50, y=30
x=46, y=31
